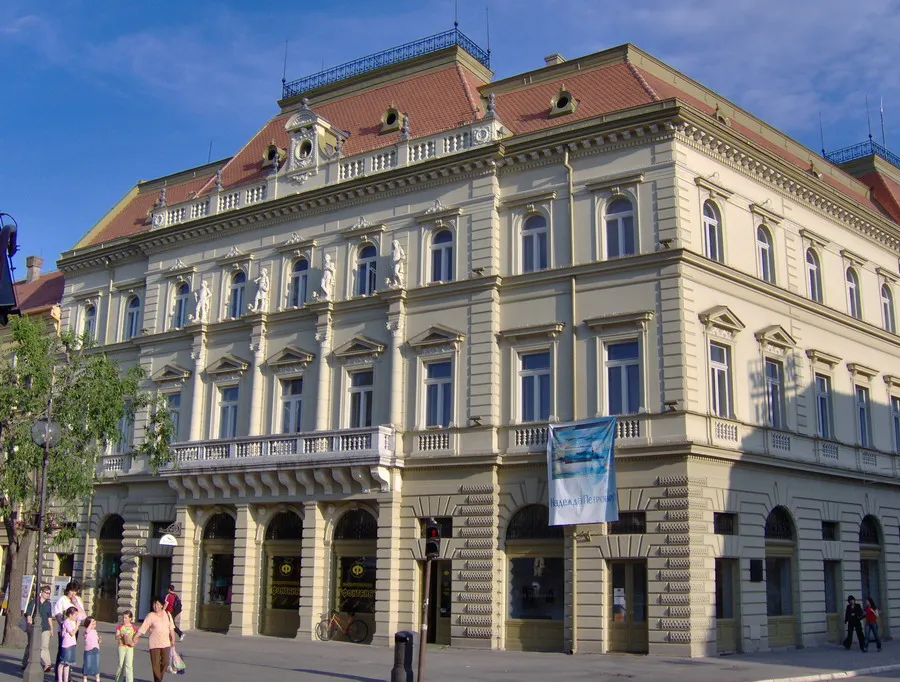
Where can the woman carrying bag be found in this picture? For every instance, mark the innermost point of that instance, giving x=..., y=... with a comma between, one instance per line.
x=162, y=638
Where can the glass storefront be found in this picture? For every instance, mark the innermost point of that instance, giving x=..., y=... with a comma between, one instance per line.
x=219, y=575
x=356, y=584
x=536, y=588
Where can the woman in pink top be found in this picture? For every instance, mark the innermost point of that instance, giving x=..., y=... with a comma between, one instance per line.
x=162, y=638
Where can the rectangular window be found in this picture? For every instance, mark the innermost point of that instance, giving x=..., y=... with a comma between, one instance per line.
x=228, y=412
x=536, y=588
x=720, y=379
x=830, y=530
x=724, y=524
x=623, y=378
x=173, y=405
x=291, y=404
x=824, y=413
x=863, y=417
x=361, y=389
x=833, y=587
x=126, y=434
x=895, y=421
x=779, y=591
x=438, y=393
x=629, y=523
x=535, y=377
x=775, y=393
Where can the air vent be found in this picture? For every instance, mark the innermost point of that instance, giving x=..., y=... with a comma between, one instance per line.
x=562, y=103
x=391, y=120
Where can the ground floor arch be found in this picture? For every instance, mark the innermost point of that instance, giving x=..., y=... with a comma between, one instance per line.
x=780, y=570
x=109, y=568
x=216, y=573
x=354, y=563
x=282, y=566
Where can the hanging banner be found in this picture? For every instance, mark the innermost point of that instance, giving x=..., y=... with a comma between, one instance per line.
x=581, y=471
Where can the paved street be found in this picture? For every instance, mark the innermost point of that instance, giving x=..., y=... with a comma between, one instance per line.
x=216, y=658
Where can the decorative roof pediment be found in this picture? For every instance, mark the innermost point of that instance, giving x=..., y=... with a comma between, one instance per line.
x=528, y=198
x=614, y=183
x=854, y=258
x=721, y=317
x=822, y=358
x=290, y=355
x=437, y=214
x=130, y=285
x=179, y=270
x=358, y=346
x=227, y=364
x=887, y=275
x=619, y=322
x=170, y=372
x=547, y=331
x=776, y=335
x=437, y=335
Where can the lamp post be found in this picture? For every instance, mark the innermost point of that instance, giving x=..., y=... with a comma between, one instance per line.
x=45, y=434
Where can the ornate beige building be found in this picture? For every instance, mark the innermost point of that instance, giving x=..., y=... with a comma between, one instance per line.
x=369, y=315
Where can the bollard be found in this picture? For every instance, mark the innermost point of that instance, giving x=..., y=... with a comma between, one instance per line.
x=403, y=655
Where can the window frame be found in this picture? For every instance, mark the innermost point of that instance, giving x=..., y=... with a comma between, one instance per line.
x=765, y=253
x=522, y=374
x=610, y=365
x=617, y=219
x=298, y=283
x=895, y=420
x=824, y=400
x=814, y=276
x=444, y=251
x=125, y=442
x=534, y=233
x=863, y=415
x=366, y=270
x=888, y=311
x=444, y=401
x=854, y=296
x=181, y=301
x=176, y=419
x=89, y=322
x=713, y=224
x=294, y=401
x=224, y=409
x=725, y=368
x=237, y=292
x=775, y=404
x=133, y=314
x=366, y=403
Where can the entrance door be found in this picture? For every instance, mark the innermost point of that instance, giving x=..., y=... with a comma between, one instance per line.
x=439, y=600
x=726, y=606
x=628, y=610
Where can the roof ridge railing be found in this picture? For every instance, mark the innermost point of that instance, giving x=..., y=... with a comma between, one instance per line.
x=858, y=151
x=416, y=48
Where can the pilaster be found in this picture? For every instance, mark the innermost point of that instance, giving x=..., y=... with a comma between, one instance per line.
x=184, y=566
x=312, y=571
x=198, y=355
x=134, y=543
x=258, y=349
x=323, y=367
x=387, y=569
x=396, y=326
x=245, y=586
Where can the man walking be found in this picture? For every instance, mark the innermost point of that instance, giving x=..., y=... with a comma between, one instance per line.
x=173, y=606
x=853, y=616
x=45, y=609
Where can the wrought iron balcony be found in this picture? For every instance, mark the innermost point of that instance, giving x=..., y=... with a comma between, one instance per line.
x=393, y=55
x=858, y=151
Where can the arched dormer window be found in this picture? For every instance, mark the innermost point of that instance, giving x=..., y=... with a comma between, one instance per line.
x=765, y=254
x=366, y=270
x=620, y=239
x=442, y=256
x=89, y=329
x=535, y=244
x=887, y=309
x=132, y=318
x=712, y=232
x=299, y=281
x=238, y=288
x=813, y=275
x=180, y=310
x=854, y=302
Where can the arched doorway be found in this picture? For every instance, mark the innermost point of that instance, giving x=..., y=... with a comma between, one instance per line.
x=109, y=568
x=281, y=587
x=780, y=578
x=870, y=557
x=216, y=573
x=535, y=582
x=354, y=548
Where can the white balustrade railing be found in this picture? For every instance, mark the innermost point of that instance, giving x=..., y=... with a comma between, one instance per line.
x=529, y=436
x=434, y=440
x=352, y=169
x=384, y=160
x=420, y=151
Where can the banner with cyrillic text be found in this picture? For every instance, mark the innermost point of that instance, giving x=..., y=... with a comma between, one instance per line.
x=581, y=471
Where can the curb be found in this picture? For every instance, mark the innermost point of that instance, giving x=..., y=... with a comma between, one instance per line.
x=837, y=675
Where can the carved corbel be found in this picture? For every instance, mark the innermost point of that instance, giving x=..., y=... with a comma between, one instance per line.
x=361, y=475
x=323, y=476
x=382, y=476
x=288, y=483
x=343, y=479
x=191, y=484
x=238, y=482
x=253, y=479
x=178, y=486
x=207, y=484
x=270, y=482
x=220, y=482
x=305, y=479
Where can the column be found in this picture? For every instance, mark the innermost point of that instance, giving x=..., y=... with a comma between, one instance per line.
x=134, y=545
x=323, y=379
x=245, y=587
x=184, y=566
x=258, y=348
x=395, y=327
x=387, y=566
x=198, y=355
x=313, y=598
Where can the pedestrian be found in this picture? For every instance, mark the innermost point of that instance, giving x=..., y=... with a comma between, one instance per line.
x=853, y=616
x=68, y=600
x=125, y=635
x=872, y=623
x=162, y=637
x=174, y=608
x=92, y=640
x=68, y=628
x=45, y=617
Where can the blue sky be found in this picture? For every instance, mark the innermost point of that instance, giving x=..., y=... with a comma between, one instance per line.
x=95, y=95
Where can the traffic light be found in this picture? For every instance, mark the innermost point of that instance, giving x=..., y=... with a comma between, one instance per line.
x=432, y=539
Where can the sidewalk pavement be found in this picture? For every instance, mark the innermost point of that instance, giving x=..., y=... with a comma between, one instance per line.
x=217, y=658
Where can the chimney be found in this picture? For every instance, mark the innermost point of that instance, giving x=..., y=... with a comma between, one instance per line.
x=553, y=59
x=33, y=268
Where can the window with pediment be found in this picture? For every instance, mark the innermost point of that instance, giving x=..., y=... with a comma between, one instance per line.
x=362, y=392
x=442, y=256
x=854, y=299
x=132, y=324
x=712, y=232
x=366, y=270
x=535, y=244
x=299, y=284
x=887, y=309
x=228, y=411
x=89, y=328
x=236, y=294
x=813, y=275
x=291, y=404
x=620, y=232
x=180, y=309
x=765, y=254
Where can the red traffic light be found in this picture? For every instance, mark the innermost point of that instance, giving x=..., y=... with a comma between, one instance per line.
x=432, y=539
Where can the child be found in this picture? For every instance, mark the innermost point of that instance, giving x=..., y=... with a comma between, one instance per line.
x=91, y=667
x=125, y=639
x=67, y=644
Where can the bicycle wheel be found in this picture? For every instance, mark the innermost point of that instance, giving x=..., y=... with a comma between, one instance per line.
x=357, y=631
x=323, y=631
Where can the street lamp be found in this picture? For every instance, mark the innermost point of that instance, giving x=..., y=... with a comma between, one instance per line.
x=45, y=433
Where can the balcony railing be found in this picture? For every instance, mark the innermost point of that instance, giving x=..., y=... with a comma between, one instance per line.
x=858, y=151
x=392, y=55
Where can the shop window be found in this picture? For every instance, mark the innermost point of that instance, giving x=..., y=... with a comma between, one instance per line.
x=356, y=584
x=536, y=588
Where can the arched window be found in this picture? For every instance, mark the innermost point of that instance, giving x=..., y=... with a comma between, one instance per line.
x=132, y=318
x=620, y=229
x=442, y=257
x=299, y=281
x=712, y=232
x=238, y=287
x=868, y=531
x=854, y=302
x=765, y=254
x=366, y=270
x=533, y=523
x=779, y=525
x=887, y=309
x=220, y=527
x=179, y=318
x=90, y=323
x=356, y=524
x=813, y=275
x=285, y=526
x=113, y=528
x=535, y=247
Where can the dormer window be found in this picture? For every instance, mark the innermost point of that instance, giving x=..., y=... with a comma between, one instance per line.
x=391, y=120
x=562, y=103
x=273, y=156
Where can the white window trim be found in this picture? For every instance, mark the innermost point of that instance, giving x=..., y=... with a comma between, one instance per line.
x=346, y=388
x=289, y=287
x=430, y=249
x=532, y=211
x=356, y=261
x=856, y=296
x=782, y=392
x=140, y=315
x=731, y=393
x=81, y=322
x=173, y=297
x=605, y=365
x=870, y=445
x=422, y=416
x=176, y=436
x=616, y=329
x=517, y=353
x=807, y=268
x=817, y=372
x=720, y=236
x=888, y=308
x=895, y=419
x=278, y=419
x=770, y=257
x=217, y=394
x=603, y=202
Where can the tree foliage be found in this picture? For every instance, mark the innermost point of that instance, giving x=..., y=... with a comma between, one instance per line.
x=90, y=397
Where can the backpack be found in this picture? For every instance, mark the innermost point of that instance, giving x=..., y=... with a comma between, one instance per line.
x=176, y=607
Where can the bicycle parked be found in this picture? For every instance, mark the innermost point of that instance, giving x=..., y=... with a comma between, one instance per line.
x=354, y=630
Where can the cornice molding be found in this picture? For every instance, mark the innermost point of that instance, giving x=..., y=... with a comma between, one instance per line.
x=814, y=238
x=714, y=188
x=613, y=182
x=619, y=321
x=822, y=358
x=768, y=216
x=533, y=331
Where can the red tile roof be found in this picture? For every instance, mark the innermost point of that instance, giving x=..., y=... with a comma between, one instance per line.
x=885, y=191
x=40, y=293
